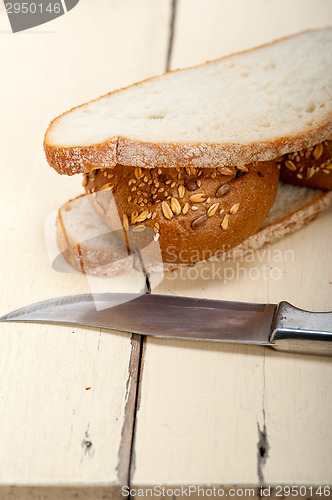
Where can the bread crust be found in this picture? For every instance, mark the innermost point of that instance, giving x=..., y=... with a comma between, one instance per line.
x=311, y=167
x=126, y=151
x=195, y=221
x=84, y=257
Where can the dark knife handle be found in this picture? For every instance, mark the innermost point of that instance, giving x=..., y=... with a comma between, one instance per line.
x=301, y=331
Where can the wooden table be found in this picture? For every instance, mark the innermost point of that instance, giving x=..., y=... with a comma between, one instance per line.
x=84, y=412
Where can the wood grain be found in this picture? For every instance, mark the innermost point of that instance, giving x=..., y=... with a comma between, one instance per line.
x=222, y=414
x=67, y=394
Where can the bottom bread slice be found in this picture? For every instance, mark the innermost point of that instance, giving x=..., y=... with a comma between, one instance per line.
x=89, y=245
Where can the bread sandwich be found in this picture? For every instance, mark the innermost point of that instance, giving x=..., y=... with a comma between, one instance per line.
x=196, y=154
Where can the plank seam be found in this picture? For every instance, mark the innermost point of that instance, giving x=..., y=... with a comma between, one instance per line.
x=127, y=432
x=263, y=443
x=171, y=35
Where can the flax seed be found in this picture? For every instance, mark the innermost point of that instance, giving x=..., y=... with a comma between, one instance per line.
x=197, y=223
x=222, y=190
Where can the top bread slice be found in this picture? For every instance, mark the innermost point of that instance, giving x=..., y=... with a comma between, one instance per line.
x=252, y=106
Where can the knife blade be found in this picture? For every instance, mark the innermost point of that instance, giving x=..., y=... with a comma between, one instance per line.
x=281, y=326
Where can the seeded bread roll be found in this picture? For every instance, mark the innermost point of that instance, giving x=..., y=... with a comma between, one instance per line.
x=94, y=250
x=195, y=213
x=311, y=167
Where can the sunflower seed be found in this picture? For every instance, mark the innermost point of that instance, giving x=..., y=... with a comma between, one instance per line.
x=109, y=185
x=142, y=216
x=138, y=173
x=181, y=191
x=310, y=172
x=243, y=168
x=185, y=209
x=290, y=165
x=225, y=171
x=139, y=229
x=133, y=216
x=212, y=209
x=166, y=210
x=224, y=223
x=234, y=208
x=318, y=151
x=198, y=198
x=175, y=206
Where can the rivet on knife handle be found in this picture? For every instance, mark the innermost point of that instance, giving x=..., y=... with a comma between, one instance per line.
x=301, y=331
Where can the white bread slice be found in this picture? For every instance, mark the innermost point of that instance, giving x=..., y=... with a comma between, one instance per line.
x=87, y=243
x=89, y=246
x=251, y=106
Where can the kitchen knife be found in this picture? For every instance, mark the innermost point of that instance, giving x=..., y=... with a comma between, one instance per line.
x=281, y=326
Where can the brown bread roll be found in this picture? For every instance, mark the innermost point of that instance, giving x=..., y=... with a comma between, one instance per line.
x=311, y=167
x=196, y=213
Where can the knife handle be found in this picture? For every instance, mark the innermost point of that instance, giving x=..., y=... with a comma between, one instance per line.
x=302, y=331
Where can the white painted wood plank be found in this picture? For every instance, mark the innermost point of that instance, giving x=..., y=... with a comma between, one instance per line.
x=62, y=388
x=201, y=406
x=206, y=30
